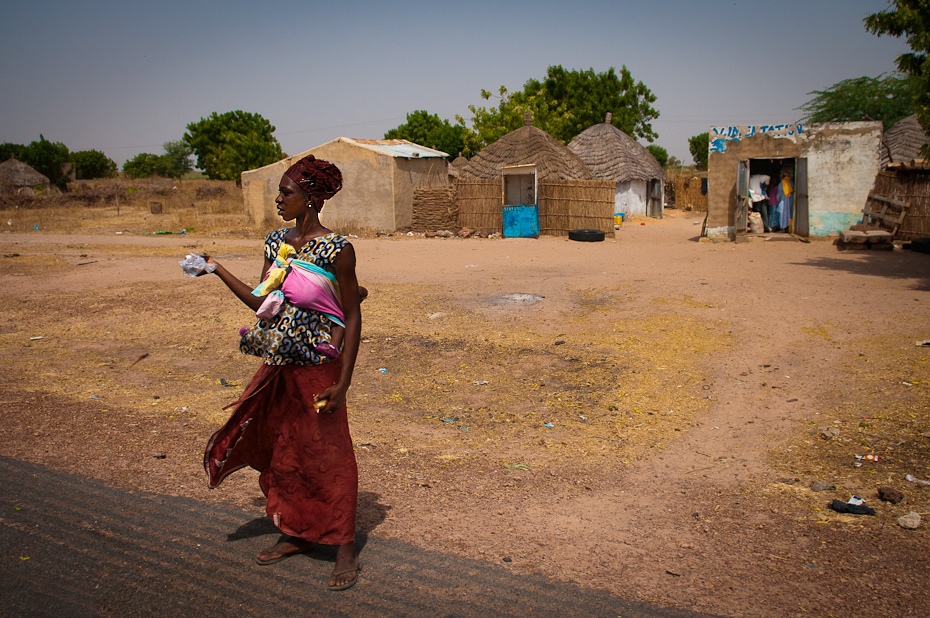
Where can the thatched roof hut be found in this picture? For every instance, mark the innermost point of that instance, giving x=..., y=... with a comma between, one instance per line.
x=527, y=145
x=457, y=164
x=16, y=175
x=901, y=144
x=611, y=154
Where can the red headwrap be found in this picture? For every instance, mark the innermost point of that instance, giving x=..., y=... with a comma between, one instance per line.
x=320, y=179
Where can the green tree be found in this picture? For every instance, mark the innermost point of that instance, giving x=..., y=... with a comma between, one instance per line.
x=92, y=164
x=228, y=144
x=888, y=98
x=700, y=149
x=429, y=130
x=8, y=149
x=911, y=19
x=145, y=165
x=566, y=102
x=48, y=158
x=177, y=158
x=660, y=154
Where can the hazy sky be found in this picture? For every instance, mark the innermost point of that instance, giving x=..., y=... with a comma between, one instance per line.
x=124, y=77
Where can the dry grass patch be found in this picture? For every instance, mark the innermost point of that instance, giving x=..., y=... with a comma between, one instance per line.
x=598, y=393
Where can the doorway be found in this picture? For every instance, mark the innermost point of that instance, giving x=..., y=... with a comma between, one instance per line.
x=777, y=190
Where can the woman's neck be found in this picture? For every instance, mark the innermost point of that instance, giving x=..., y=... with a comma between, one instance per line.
x=307, y=228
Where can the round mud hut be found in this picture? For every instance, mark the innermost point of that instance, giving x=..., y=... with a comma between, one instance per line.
x=611, y=154
x=17, y=177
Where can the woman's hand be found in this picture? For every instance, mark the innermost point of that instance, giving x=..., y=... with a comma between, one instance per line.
x=334, y=398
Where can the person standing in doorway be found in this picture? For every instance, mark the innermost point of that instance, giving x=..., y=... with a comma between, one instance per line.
x=757, y=195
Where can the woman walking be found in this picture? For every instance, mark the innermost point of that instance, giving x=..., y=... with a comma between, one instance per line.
x=291, y=422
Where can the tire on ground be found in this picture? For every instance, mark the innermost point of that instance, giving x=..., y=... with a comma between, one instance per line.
x=586, y=235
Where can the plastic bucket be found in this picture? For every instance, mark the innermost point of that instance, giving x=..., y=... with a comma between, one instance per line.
x=618, y=218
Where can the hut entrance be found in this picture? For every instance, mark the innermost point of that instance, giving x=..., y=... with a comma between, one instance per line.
x=777, y=190
x=519, y=185
x=654, y=207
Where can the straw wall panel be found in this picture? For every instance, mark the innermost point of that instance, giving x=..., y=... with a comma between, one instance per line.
x=480, y=204
x=576, y=204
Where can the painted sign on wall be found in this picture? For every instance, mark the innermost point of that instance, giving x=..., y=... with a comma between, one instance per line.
x=720, y=136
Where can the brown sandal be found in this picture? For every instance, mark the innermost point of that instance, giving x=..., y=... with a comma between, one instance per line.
x=349, y=583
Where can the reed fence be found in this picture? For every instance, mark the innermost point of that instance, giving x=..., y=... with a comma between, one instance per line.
x=480, y=204
x=913, y=188
x=684, y=192
x=563, y=205
x=576, y=204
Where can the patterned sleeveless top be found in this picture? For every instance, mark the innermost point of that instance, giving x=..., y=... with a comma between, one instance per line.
x=290, y=337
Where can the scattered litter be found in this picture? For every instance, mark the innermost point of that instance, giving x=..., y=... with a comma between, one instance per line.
x=224, y=382
x=910, y=478
x=907, y=384
x=818, y=486
x=549, y=425
x=506, y=559
x=436, y=315
x=86, y=263
x=828, y=433
x=159, y=456
x=923, y=344
x=519, y=466
x=480, y=382
x=559, y=342
x=911, y=521
x=870, y=457
x=37, y=338
x=791, y=401
x=449, y=419
x=787, y=481
x=119, y=233
x=94, y=398
x=889, y=494
x=366, y=444
x=854, y=506
x=464, y=428
x=382, y=370
x=35, y=227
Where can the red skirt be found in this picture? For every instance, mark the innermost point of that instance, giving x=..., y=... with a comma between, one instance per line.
x=306, y=459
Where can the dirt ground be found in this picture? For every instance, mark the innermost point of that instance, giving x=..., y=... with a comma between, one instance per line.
x=644, y=415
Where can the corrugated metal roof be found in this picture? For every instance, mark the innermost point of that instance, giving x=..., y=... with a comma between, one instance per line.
x=398, y=148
